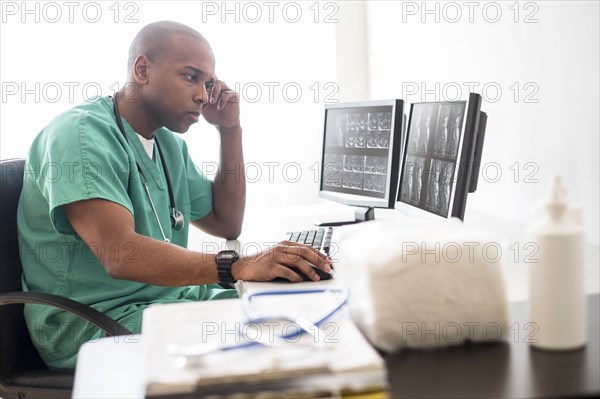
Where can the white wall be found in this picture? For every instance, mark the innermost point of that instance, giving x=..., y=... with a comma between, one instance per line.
x=554, y=61
x=351, y=36
x=281, y=57
x=549, y=125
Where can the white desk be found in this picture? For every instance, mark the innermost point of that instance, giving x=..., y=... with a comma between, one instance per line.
x=109, y=368
x=113, y=367
x=264, y=226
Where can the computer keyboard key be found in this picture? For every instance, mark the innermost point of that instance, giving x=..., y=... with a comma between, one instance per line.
x=303, y=236
x=310, y=238
x=319, y=239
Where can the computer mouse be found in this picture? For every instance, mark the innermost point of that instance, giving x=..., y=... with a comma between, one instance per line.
x=323, y=275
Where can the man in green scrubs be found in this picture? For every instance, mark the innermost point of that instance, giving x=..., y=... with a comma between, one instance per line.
x=94, y=216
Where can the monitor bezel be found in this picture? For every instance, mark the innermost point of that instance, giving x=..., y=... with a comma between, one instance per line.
x=394, y=155
x=478, y=151
x=462, y=168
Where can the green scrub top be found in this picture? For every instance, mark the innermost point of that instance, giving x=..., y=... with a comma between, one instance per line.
x=82, y=155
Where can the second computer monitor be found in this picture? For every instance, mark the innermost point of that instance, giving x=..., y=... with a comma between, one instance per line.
x=438, y=159
x=361, y=154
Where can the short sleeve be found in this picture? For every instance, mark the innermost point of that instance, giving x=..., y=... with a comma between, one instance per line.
x=79, y=157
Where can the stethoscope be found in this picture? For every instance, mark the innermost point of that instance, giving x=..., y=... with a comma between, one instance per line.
x=192, y=355
x=177, y=218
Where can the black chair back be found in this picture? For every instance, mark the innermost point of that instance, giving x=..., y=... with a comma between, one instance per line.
x=23, y=374
x=17, y=352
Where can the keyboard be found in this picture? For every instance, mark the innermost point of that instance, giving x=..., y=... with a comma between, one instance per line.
x=320, y=238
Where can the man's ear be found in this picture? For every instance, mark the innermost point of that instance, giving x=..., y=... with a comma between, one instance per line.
x=140, y=69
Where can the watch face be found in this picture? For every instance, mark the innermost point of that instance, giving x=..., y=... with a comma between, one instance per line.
x=227, y=255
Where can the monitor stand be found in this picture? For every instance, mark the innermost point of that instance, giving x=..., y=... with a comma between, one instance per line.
x=361, y=214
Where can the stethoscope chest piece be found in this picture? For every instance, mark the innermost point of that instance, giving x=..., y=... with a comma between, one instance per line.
x=177, y=219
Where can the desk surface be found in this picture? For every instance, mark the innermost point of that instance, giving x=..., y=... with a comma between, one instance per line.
x=263, y=226
x=511, y=370
x=113, y=368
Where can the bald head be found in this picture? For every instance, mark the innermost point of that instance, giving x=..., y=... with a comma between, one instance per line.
x=156, y=39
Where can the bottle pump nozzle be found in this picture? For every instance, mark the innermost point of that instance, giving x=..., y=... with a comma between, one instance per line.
x=557, y=203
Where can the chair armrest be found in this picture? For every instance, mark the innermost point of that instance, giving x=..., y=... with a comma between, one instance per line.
x=105, y=323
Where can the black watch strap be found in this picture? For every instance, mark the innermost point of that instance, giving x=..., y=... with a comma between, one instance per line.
x=224, y=261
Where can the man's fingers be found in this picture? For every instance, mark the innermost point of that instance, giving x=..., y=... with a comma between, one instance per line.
x=309, y=253
x=215, y=93
x=299, y=263
x=221, y=94
x=228, y=96
x=287, y=273
x=302, y=257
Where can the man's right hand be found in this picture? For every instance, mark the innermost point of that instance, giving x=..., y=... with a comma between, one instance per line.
x=277, y=261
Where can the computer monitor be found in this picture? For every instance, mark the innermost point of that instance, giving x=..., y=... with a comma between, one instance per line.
x=478, y=151
x=362, y=144
x=444, y=142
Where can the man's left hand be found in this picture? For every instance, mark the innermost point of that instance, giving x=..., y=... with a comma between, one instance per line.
x=223, y=107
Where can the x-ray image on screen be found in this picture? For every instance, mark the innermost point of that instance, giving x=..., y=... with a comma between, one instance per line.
x=357, y=149
x=440, y=181
x=413, y=179
x=332, y=170
x=431, y=155
x=448, y=130
x=442, y=157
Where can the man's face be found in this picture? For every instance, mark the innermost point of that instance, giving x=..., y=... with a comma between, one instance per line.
x=179, y=83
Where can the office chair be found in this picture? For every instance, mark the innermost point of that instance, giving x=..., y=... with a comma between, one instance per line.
x=23, y=374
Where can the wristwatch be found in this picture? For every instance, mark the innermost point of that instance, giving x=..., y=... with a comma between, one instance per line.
x=224, y=261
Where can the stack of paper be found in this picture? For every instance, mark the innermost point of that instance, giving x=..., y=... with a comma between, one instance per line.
x=205, y=348
x=254, y=287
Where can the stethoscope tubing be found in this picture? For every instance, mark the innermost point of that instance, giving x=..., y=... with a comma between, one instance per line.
x=177, y=218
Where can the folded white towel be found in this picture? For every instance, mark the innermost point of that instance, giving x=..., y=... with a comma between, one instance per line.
x=422, y=284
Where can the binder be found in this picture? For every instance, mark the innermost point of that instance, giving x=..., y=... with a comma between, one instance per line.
x=343, y=363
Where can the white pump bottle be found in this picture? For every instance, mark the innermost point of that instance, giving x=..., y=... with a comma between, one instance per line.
x=557, y=304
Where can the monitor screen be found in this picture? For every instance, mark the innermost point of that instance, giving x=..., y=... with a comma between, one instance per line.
x=440, y=143
x=361, y=153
